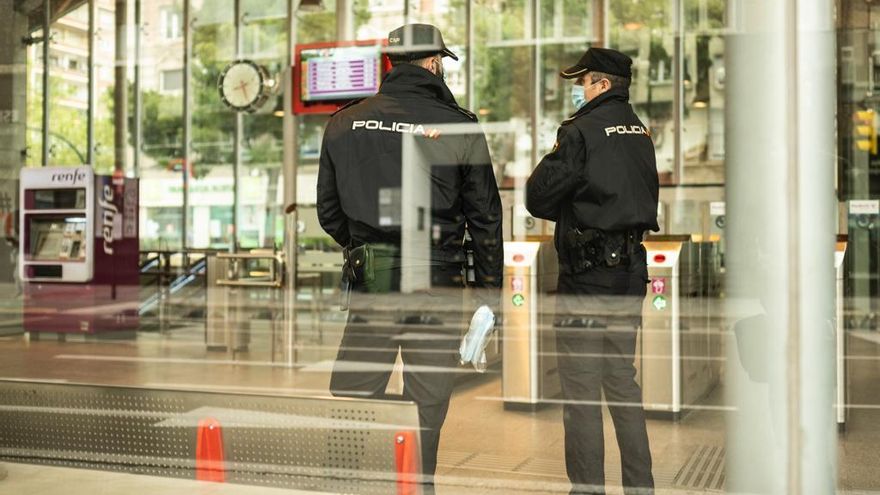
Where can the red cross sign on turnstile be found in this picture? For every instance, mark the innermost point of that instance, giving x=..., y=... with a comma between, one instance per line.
x=658, y=285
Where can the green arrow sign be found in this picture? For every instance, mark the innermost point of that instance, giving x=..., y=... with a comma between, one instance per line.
x=659, y=303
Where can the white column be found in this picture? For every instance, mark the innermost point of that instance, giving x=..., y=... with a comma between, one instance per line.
x=13, y=121
x=781, y=206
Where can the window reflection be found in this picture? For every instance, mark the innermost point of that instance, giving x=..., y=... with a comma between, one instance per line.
x=68, y=90
x=260, y=175
x=161, y=160
x=35, y=95
x=211, y=194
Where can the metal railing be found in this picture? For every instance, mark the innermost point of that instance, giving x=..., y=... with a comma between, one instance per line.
x=235, y=262
x=242, y=288
x=171, y=272
x=306, y=443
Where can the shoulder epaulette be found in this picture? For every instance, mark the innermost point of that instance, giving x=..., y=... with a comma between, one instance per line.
x=349, y=104
x=467, y=113
x=570, y=119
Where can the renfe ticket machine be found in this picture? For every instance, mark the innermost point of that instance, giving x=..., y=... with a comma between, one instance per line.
x=79, y=251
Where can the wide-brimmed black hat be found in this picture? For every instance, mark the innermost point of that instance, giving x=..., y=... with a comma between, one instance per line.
x=415, y=41
x=600, y=60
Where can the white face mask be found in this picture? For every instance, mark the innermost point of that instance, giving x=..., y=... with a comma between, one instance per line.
x=579, y=96
x=578, y=99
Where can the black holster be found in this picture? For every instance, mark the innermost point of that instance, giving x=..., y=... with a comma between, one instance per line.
x=586, y=249
x=357, y=263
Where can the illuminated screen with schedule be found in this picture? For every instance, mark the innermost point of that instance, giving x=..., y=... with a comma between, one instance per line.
x=340, y=73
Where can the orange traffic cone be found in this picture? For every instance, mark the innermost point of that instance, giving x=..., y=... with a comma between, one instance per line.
x=406, y=454
x=209, y=451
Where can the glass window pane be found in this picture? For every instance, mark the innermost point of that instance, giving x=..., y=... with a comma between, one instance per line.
x=35, y=95
x=566, y=32
x=316, y=26
x=161, y=155
x=502, y=84
x=448, y=16
x=374, y=19
x=570, y=21
x=112, y=142
x=69, y=88
x=644, y=32
x=703, y=103
x=265, y=41
x=213, y=127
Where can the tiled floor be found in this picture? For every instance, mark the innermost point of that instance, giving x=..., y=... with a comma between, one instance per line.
x=484, y=448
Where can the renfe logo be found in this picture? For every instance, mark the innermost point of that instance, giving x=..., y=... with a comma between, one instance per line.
x=108, y=214
x=71, y=177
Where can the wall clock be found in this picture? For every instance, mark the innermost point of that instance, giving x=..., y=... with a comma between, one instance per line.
x=245, y=86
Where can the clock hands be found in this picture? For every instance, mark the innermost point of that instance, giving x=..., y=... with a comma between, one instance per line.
x=238, y=79
x=242, y=86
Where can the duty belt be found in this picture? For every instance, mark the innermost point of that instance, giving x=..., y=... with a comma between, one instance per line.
x=586, y=249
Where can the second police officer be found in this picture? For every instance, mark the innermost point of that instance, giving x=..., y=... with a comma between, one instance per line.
x=600, y=185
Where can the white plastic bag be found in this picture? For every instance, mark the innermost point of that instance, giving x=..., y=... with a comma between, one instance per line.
x=474, y=343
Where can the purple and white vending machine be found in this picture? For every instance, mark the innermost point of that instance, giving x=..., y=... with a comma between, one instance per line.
x=79, y=251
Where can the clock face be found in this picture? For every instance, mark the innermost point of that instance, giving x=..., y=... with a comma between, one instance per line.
x=242, y=85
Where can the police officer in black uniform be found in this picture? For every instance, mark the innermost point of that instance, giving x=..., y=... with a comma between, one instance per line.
x=599, y=184
x=360, y=169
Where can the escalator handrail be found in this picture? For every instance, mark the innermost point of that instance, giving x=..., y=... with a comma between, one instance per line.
x=177, y=284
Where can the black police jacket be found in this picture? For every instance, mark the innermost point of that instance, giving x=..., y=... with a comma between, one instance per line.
x=361, y=173
x=601, y=174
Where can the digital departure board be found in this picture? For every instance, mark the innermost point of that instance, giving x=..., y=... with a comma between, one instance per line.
x=340, y=73
x=326, y=76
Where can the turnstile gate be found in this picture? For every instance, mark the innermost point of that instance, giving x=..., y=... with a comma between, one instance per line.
x=680, y=355
x=528, y=349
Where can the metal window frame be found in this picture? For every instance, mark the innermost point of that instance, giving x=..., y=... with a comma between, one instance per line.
x=238, y=136
x=187, y=123
x=289, y=173
x=90, y=128
x=137, y=131
x=677, y=88
x=47, y=24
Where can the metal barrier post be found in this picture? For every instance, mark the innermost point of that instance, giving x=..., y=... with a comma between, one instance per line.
x=231, y=283
x=163, y=281
x=659, y=360
x=840, y=335
x=528, y=349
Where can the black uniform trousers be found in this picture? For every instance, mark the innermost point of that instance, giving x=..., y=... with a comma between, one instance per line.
x=423, y=327
x=598, y=316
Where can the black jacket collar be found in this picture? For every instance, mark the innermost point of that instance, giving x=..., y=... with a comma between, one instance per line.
x=613, y=94
x=408, y=79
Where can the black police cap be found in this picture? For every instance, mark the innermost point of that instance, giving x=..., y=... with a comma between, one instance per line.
x=600, y=60
x=415, y=41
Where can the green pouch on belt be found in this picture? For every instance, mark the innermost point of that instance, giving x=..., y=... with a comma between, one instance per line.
x=361, y=262
x=372, y=265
